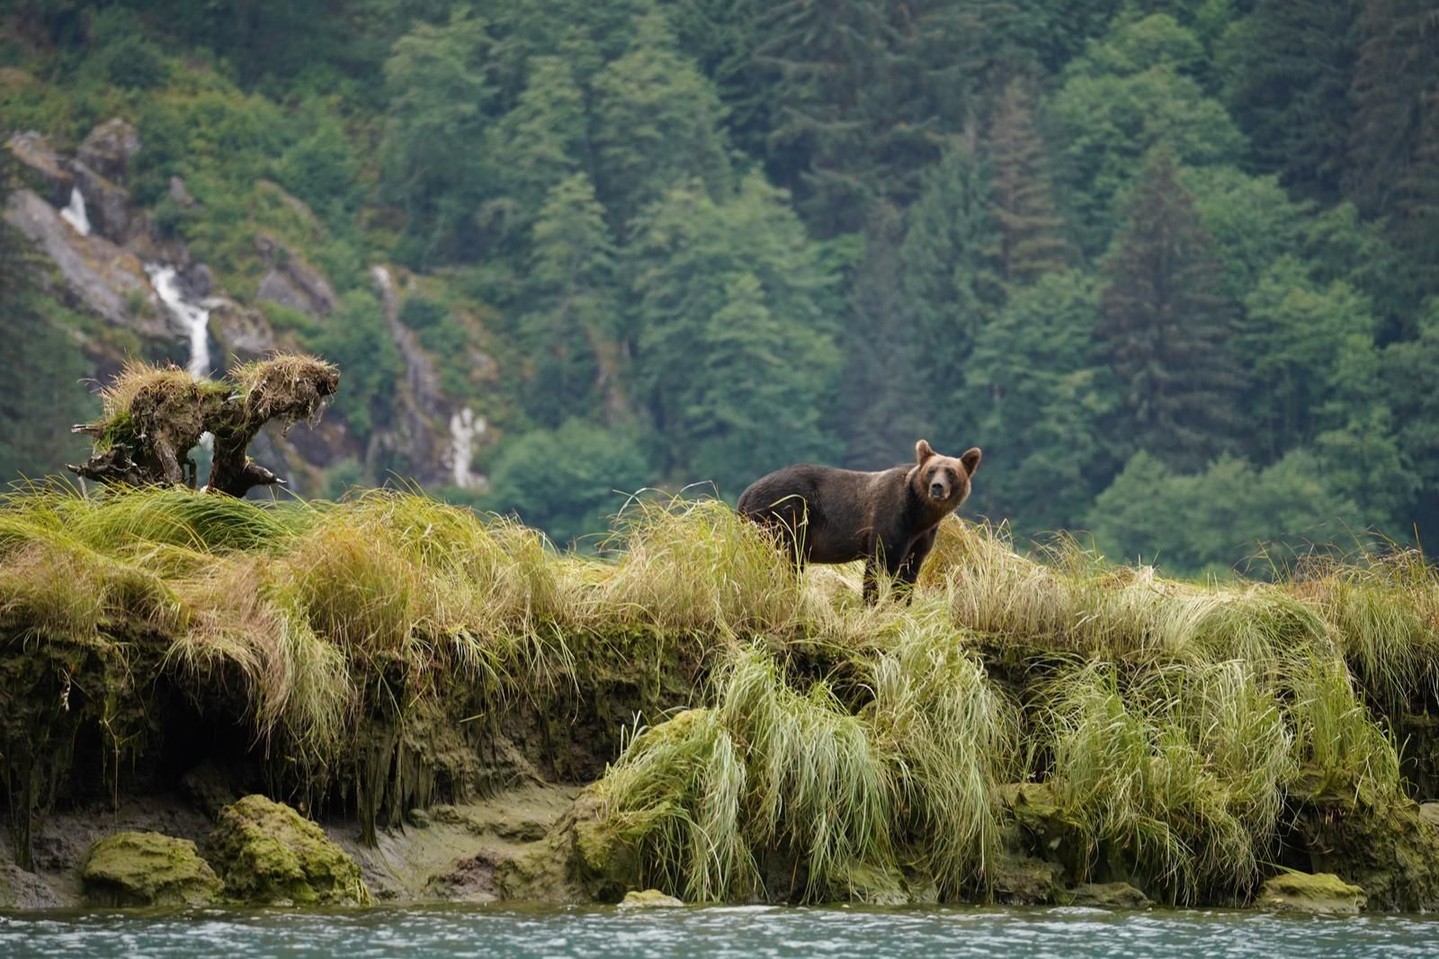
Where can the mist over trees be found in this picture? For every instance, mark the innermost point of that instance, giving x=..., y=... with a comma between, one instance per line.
x=1171, y=264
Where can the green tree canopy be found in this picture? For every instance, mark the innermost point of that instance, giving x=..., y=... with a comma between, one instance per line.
x=1167, y=329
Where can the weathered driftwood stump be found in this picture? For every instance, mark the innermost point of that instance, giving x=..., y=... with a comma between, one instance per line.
x=152, y=417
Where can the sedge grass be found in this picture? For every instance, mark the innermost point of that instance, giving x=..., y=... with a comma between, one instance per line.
x=953, y=738
x=857, y=740
x=690, y=566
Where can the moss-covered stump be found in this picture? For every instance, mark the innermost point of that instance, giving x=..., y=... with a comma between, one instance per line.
x=148, y=869
x=268, y=854
x=1324, y=894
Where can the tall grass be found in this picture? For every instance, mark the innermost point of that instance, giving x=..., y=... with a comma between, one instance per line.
x=835, y=741
x=704, y=795
x=839, y=793
x=952, y=738
x=1154, y=781
x=689, y=566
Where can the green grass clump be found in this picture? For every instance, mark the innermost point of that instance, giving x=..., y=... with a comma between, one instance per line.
x=703, y=796
x=769, y=776
x=676, y=796
x=694, y=566
x=1384, y=611
x=952, y=737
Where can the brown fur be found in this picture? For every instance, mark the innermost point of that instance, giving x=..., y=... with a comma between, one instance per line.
x=889, y=519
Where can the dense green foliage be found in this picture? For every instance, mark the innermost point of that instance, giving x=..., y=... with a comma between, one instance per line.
x=1137, y=251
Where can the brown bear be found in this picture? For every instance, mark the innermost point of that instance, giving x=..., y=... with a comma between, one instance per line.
x=889, y=519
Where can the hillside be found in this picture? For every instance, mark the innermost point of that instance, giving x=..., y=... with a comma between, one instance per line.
x=1169, y=264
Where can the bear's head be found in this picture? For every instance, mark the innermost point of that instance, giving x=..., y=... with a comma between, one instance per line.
x=943, y=481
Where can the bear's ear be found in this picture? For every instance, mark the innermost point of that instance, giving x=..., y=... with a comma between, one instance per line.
x=922, y=451
x=970, y=459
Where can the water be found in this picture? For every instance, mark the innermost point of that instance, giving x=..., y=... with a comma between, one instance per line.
x=74, y=214
x=193, y=318
x=739, y=932
x=464, y=428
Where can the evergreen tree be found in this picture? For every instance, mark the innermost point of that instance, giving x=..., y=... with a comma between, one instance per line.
x=756, y=369
x=859, y=89
x=688, y=260
x=1396, y=79
x=1408, y=373
x=1296, y=335
x=1252, y=220
x=538, y=143
x=1288, y=66
x=1031, y=231
x=1167, y=326
x=950, y=284
x=571, y=336
x=432, y=153
x=656, y=125
x=1041, y=395
x=881, y=411
x=1121, y=100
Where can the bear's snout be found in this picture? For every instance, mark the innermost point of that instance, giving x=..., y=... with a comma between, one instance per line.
x=938, y=490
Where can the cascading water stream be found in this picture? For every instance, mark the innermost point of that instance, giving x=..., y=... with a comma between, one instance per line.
x=74, y=214
x=193, y=318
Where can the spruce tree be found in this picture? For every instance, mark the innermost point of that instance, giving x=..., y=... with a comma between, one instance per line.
x=656, y=125
x=951, y=286
x=1395, y=82
x=1031, y=231
x=1167, y=326
x=1289, y=65
x=882, y=412
x=571, y=334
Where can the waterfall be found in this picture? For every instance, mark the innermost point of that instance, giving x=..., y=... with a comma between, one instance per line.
x=74, y=214
x=464, y=427
x=193, y=319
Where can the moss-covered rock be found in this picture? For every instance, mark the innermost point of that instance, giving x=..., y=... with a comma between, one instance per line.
x=1105, y=895
x=268, y=853
x=148, y=869
x=1017, y=879
x=1389, y=850
x=1324, y=894
x=649, y=899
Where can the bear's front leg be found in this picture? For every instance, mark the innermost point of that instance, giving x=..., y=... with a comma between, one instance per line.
x=908, y=571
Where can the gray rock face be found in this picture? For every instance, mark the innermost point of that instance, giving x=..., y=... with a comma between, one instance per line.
x=292, y=283
x=105, y=278
x=108, y=203
x=242, y=332
x=110, y=148
x=44, y=169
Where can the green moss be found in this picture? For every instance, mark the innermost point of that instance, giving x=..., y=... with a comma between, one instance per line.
x=269, y=854
x=148, y=869
x=649, y=899
x=1322, y=894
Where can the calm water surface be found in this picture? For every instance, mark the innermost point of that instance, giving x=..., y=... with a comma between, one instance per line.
x=448, y=933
